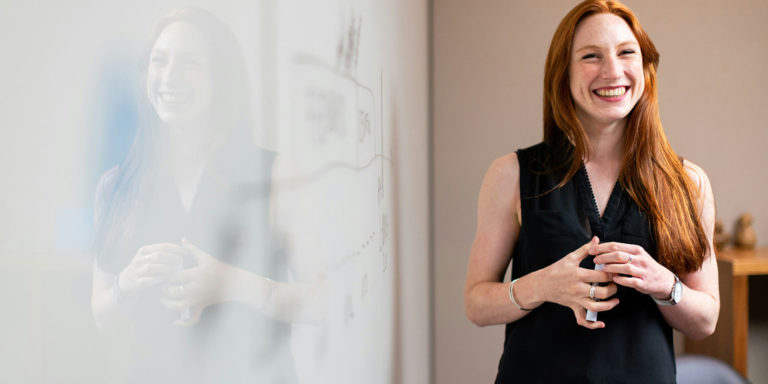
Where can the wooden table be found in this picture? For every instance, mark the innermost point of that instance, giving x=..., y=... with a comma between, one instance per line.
x=729, y=342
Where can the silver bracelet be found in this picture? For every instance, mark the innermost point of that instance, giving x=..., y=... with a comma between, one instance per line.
x=272, y=291
x=512, y=296
x=116, y=288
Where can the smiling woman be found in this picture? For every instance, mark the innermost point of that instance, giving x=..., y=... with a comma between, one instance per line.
x=178, y=78
x=602, y=222
x=606, y=70
x=185, y=260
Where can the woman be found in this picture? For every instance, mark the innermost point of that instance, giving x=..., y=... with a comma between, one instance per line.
x=603, y=190
x=184, y=251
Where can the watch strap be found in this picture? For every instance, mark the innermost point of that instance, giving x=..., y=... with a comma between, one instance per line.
x=671, y=300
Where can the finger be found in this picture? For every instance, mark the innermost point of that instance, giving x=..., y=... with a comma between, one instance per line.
x=601, y=306
x=147, y=282
x=582, y=252
x=581, y=319
x=605, y=292
x=185, y=276
x=177, y=305
x=156, y=270
x=591, y=276
x=174, y=292
x=192, y=249
x=621, y=269
x=193, y=319
x=169, y=258
x=616, y=257
x=630, y=282
x=186, y=244
x=616, y=246
x=161, y=247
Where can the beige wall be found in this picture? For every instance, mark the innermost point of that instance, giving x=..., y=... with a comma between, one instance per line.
x=407, y=66
x=488, y=72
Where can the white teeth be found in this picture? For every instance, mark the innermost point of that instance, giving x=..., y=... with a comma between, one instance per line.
x=611, y=92
x=171, y=97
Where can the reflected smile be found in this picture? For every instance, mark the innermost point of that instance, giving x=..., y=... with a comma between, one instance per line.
x=173, y=97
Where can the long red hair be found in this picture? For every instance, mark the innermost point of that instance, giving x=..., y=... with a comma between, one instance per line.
x=651, y=172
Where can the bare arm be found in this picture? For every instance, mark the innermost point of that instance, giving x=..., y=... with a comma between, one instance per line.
x=696, y=314
x=486, y=298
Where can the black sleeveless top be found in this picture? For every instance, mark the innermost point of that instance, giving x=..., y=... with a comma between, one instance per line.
x=547, y=345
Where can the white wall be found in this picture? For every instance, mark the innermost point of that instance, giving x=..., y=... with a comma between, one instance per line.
x=55, y=56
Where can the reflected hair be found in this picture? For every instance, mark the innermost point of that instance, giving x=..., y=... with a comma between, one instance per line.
x=124, y=186
x=651, y=172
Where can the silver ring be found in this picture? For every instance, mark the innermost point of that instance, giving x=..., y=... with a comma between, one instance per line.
x=592, y=292
x=630, y=260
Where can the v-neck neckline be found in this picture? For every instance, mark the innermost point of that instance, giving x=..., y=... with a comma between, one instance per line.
x=598, y=222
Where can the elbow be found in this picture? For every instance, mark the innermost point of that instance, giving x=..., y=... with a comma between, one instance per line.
x=475, y=319
x=705, y=329
x=702, y=333
x=471, y=311
x=709, y=328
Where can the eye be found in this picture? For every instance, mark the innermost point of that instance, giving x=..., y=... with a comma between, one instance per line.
x=191, y=63
x=589, y=56
x=158, y=60
x=627, y=52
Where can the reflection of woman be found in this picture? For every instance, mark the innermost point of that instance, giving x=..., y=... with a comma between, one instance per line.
x=604, y=172
x=184, y=254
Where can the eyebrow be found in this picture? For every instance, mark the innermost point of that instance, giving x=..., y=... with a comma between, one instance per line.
x=592, y=46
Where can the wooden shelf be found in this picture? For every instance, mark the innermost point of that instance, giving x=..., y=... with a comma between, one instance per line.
x=729, y=342
x=745, y=263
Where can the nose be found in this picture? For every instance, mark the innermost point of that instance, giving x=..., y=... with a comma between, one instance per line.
x=171, y=73
x=612, y=68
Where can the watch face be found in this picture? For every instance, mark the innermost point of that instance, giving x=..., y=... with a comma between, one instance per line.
x=678, y=292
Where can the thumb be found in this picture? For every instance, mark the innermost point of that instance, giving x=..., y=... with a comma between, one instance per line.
x=582, y=252
x=194, y=318
x=194, y=250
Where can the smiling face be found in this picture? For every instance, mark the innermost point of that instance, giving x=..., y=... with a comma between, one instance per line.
x=605, y=71
x=179, y=84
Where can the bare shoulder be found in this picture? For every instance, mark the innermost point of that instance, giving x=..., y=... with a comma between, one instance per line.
x=500, y=192
x=706, y=198
x=504, y=171
x=698, y=176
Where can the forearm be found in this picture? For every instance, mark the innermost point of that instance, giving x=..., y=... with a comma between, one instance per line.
x=290, y=302
x=488, y=303
x=107, y=306
x=695, y=315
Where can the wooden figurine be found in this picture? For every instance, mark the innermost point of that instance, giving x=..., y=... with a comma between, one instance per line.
x=744, y=236
x=722, y=238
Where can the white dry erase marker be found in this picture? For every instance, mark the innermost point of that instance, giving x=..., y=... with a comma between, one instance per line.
x=592, y=316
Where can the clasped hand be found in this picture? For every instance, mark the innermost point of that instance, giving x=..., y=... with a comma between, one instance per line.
x=193, y=289
x=625, y=264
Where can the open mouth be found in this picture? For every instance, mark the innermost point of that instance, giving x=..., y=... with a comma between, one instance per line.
x=174, y=97
x=611, y=92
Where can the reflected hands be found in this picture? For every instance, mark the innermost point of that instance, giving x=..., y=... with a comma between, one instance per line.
x=569, y=285
x=152, y=265
x=198, y=287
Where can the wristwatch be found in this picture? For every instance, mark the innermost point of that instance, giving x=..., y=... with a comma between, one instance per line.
x=674, y=296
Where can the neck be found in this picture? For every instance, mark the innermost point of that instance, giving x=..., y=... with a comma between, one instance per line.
x=189, y=146
x=606, y=141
